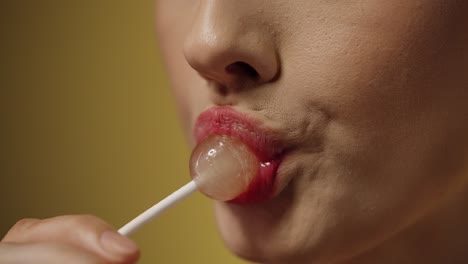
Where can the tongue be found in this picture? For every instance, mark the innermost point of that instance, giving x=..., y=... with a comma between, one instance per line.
x=223, y=167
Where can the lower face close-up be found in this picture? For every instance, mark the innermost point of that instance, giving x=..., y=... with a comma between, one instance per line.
x=356, y=112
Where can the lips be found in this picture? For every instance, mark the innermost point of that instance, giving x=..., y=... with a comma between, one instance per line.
x=258, y=138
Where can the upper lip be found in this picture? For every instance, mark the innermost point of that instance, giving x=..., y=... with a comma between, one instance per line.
x=263, y=141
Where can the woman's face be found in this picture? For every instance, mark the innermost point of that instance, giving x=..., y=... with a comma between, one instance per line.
x=369, y=98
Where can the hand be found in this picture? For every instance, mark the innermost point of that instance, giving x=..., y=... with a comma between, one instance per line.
x=74, y=239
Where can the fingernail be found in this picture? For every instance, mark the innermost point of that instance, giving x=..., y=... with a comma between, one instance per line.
x=115, y=243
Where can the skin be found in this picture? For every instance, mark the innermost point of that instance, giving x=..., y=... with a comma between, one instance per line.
x=371, y=99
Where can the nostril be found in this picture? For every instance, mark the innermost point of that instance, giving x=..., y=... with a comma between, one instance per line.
x=242, y=69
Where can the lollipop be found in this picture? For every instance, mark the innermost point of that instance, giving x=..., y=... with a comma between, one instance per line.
x=221, y=167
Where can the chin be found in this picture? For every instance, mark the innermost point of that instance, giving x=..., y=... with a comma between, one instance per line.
x=244, y=243
x=260, y=233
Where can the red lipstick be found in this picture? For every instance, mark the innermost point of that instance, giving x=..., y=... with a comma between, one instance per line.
x=258, y=138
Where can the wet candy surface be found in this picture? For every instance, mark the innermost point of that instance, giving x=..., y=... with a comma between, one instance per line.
x=223, y=167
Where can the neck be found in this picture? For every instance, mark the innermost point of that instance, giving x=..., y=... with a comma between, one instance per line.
x=440, y=237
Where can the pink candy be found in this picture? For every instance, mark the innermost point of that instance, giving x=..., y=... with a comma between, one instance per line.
x=222, y=167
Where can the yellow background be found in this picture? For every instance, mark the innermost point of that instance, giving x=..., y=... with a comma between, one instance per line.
x=88, y=125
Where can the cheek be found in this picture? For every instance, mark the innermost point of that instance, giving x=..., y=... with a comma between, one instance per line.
x=188, y=88
x=382, y=80
x=364, y=63
x=191, y=98
x=174, y=20
x=395, y=97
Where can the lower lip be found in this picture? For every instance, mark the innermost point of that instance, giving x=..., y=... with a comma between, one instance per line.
x=227, y=121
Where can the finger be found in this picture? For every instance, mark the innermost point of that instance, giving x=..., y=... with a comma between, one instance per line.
x=83, y=231
x=45, y=253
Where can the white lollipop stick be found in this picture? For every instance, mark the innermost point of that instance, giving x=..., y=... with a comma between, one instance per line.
x=158, y=208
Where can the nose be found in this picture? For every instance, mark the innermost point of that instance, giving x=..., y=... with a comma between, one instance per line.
x=227, y=46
